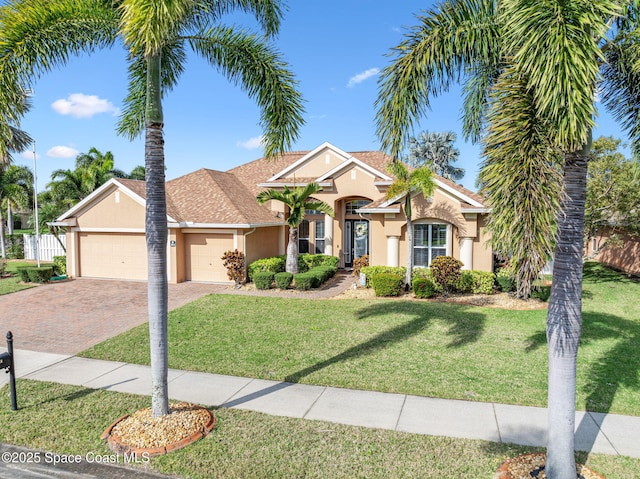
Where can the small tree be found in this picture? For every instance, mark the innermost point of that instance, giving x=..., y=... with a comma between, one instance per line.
x=235, y=263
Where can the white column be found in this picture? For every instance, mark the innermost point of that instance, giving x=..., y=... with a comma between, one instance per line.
x=393, y=250
x=466, y=252
x=328, y=235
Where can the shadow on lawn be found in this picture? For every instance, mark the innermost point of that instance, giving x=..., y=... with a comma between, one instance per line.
x=617, y=367
x=466, y=326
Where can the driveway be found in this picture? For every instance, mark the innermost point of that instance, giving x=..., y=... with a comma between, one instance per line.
x=71, y=316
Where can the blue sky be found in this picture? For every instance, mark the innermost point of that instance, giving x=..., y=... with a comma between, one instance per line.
x=335, y=49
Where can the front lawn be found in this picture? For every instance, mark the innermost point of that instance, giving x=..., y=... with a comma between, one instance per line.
x=12, y=284
x=250, y=445
x=415, y=347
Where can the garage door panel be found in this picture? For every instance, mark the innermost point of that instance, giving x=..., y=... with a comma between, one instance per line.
x=113, y=255
x=203, y=256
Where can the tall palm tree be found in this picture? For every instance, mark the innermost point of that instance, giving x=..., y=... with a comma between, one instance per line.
x=531, y=72
x=437, y=151
x=40, y=34
x=407, y=182
x=298, y=200
x=15, y=183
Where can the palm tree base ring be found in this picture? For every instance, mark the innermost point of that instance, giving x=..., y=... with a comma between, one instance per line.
x=144, y=436
x=531, y=465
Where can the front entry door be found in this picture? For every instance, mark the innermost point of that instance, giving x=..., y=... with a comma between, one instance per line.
x=356, y=240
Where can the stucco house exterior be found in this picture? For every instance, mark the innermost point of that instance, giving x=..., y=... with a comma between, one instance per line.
x=210, y=212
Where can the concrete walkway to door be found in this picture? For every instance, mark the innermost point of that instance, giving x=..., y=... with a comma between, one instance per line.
x=71, y=316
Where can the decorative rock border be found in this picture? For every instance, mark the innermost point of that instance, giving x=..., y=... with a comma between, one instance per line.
x=519, y=467
x=119, y=446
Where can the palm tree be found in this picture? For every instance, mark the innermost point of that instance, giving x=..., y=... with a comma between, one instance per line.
x=436, y=150
x=15, y=185
x=407, y=182
x=40, y=34
x=298, y=200
x=531, y=72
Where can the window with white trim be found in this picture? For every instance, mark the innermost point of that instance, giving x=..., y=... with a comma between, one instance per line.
x=303, y=237
x=429, y=242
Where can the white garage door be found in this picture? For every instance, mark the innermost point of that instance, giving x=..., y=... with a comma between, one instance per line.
x=113, y=255
x=203, y=256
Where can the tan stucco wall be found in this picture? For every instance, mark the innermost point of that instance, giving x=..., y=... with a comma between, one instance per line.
x=482, y=250
x=116, y=210
x=261, y=243
x=322, y=162
x=624, y=256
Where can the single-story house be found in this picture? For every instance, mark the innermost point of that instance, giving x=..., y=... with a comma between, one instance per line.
x=622, y=254
x=210, y=212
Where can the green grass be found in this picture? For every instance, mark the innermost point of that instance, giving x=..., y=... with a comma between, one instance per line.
x=414, y=347
x=249, y=445
x=12, y=284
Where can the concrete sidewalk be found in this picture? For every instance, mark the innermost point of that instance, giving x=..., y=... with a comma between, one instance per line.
x=595, y=432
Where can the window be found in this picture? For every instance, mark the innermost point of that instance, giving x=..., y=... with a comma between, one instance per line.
x=353, y=205
x=429, y=242
x=303, y=237
x=318, y=241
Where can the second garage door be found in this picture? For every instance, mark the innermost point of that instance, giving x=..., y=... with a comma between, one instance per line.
x=203, y=256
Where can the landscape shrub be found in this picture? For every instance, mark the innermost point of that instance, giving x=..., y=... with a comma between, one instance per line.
x=446, y=271
x=541, y=292
x=235, y=264
x=283, y=280
x=425, y=273
x=424, y=288
x=370, y=271
x=23, y=273
x=263, y=279
x=482, y=282
x=387, y=284
x=328, y=272
x=40, y=275
x=360, y=263
x=274, y=264
x=303, y=281
x=15, y=246
x=59, y=265
x=506, y=277
x=466, y=282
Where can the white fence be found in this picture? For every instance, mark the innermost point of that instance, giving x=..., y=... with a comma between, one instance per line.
x=49, y=247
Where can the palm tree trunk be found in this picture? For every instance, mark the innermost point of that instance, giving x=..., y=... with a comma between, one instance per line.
x=3, y=242
x=9, y=219
x=292, y=251
x=156, y=235
x=409, y=252
x=564, y=320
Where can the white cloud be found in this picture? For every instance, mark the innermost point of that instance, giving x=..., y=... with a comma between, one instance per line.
x=360, y=77
x=80, y=105
x=252, y=143
x=62, y=152
x=28, y=155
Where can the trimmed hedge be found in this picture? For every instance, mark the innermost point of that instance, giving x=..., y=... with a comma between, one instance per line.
x=23, y=273
x=275, y=264
x=283, y=280
x=371, y=271
x=263, y=279
x=303, y=281
x=387, y=284
x=424, y=288
x=482, y=282
x=40, y=275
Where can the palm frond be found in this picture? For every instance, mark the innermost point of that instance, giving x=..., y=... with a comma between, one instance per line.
x=259, y=69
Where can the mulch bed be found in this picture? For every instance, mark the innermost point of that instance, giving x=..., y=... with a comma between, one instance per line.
x=528, y=466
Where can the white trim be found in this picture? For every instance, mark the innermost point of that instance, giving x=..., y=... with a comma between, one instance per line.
x=378, y=210
x=475, y=210
x=108, y=230
x=458, y=194
x=188, y=225
x=308, y=156
x=351, y=161
x=212, y=231
x=282, y=184
x=98, y=193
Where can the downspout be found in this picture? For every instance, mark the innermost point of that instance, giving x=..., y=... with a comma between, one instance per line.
x=244, y=247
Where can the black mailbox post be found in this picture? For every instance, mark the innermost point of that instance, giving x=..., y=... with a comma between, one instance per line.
x=7, y=362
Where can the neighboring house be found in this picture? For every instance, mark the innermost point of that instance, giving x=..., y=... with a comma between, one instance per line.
x=622, y=254
x=210, y=212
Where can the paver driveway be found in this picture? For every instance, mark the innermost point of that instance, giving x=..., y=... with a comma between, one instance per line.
x=71, y=316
